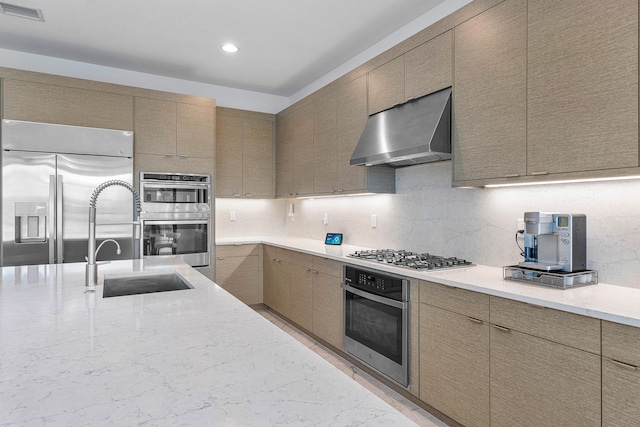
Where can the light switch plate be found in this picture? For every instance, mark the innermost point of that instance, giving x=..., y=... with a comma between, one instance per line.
x=232, y=215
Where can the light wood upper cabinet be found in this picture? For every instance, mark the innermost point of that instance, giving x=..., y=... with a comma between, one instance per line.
x=620, y=375
x=325, y=140
x=490, y=84
x=195, y=133
x=229, y=156
x=51, y=103
x=174, y=129
x=351, y=119
x=156, y=126
x=429, y=67
x=303, y=150
x=386, y=85
x=244, y=154
x=284, y=155
x=582, y=85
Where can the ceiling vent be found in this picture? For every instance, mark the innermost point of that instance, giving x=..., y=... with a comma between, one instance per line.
x=21, y=11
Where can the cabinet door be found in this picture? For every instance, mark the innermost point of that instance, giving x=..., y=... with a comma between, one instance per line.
x=240, y=276
x=490, y=84
x=161, y=163
x=351, y=119
x=620, y=375
x=47, y=103
x=429, y=67
x=303, y=150
x=454, y=365
x=156, y=127
x=301, y=296
x=257, y=165
x=284, y=155
x=386, y=85
x=535, y=382
x=195, y=131
x=327, y=308
x=228, y=156
x=270, y=276
x=325, y=141
x=582, y=111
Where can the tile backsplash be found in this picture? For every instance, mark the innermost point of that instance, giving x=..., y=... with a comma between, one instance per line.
x=427, y=215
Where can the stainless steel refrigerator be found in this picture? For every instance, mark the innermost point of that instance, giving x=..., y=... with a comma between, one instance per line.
x=48, y=175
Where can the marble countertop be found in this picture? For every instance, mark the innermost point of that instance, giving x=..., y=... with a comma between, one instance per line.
x=188, y=357
x=603, y=301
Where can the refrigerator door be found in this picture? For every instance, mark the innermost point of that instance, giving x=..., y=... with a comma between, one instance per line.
x=80, y=175
x=28, y=208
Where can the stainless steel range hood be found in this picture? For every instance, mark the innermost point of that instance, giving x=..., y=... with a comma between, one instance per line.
x=418, y=131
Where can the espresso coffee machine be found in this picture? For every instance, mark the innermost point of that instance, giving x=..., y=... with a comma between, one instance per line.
x=555, y=242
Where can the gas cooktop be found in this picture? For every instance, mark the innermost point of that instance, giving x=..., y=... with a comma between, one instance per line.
x=414, y=260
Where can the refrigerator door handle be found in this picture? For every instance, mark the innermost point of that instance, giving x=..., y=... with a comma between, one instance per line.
x=51, y=222
x=59, y=229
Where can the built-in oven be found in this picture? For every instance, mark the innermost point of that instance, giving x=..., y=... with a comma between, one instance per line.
x=176, y=217
x=376, y=313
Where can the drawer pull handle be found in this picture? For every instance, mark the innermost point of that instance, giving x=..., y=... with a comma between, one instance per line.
x=220, y=258
x=315, y=271
x=501, y=328
x=539, y=173
x=307, y=269
x=623, y=365
x=512, y=175
x=474, y=320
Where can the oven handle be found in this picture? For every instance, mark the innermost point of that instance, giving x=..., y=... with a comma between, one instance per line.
x=382, y=300
x=168, y=186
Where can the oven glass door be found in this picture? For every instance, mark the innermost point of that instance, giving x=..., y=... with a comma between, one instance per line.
x=376, y=325
x=175, y=237
x=174, y=193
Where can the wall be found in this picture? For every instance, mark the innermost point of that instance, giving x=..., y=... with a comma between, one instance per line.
x=254, y=217
x=427, y=215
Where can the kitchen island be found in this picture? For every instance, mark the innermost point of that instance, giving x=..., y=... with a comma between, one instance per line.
x=188, y=357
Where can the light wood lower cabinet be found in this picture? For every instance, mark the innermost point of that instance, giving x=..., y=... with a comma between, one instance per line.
x=454, y=352
x=540, y=376
x=620, y=375
x=301, y=290
x=238, y=270
x=277, y=279
x=327, y=301
x=454, y=365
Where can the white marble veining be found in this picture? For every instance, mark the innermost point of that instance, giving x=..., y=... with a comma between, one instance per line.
x=603, y=301
x=188, y=357
x=427, y=215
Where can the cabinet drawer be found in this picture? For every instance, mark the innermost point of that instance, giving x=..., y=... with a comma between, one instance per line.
x=621, y=342
x=462, y=301
x=236, y=250
x=559, y=326
x=301, y=259
x=327, y=266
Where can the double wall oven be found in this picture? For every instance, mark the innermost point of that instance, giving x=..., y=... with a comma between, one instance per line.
x=176, y=216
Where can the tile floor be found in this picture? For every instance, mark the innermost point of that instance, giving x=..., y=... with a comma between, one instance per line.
x=402, y=404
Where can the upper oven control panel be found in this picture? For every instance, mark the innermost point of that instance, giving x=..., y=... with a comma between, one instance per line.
x=376, y=282
x=174, y=177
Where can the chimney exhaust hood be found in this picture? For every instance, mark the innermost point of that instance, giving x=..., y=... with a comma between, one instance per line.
x=418, y=131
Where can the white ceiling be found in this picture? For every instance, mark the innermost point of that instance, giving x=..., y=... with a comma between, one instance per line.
x=285, y=45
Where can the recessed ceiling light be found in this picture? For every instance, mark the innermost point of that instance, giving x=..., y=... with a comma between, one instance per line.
x=230, y=47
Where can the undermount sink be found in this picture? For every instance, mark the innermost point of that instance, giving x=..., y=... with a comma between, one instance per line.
x=146, y=282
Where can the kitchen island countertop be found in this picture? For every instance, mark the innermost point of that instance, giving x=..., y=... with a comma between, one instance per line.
x=187, y=357
x=603, y=301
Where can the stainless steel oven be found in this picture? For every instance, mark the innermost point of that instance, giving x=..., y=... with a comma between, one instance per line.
x=176, y=217
x=376, y=313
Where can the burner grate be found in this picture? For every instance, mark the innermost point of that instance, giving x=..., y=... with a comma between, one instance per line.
x=414, y=260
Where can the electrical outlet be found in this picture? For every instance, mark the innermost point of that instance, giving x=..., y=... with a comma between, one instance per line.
x=325, y=219
x=374, y=221
x=520, y=224
x=232, y=215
